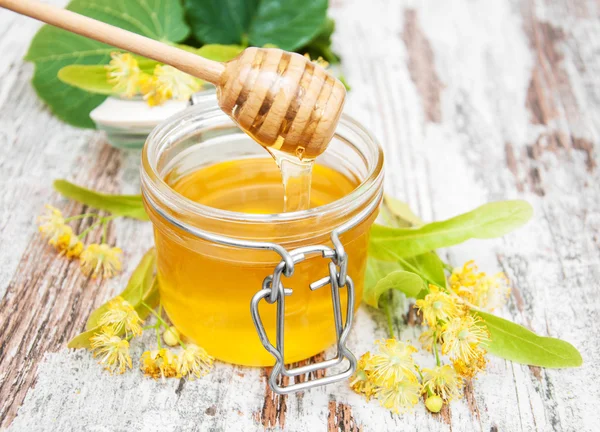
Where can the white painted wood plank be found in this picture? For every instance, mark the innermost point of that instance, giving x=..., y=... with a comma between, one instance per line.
x=485, y=57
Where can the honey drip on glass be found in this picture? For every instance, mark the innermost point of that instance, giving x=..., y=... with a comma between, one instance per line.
x=296, y=176
x=296, y=144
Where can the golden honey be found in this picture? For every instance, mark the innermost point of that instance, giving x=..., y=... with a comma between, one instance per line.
x=207, y=297
x=204, y=181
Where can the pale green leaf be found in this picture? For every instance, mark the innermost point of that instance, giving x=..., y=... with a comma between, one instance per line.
x=151, y=299
x=139, y=283
x=121, y=205
x=52, y=49
x=399, y=213
x=406, y=282
x=377, y=270
x=94, y=78
x=141, y=290
x=516, y=343
x=82, y=340
x=428, y=265
x=220, y=53
x=488, y=221
x=90, y=78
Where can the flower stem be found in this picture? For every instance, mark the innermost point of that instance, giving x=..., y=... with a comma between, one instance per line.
x=104, y=229
x=94, y=225
x=157, y=331
x=435, y=349
x=388, y=314
x=158, y=317
x=82, y=235
x=447, y=266
x=81, y=216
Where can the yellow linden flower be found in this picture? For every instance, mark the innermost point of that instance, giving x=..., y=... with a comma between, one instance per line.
x=100, y=259
x=497, y=293
x=400, y=396
x=112, y=350
x=123, y=72
x=159, y=363
x=463, y=336
x=360, y=382
x=194, y=361
x=438, y=306
x=154, y=94
x=69, y=244
x=466, y=276
x=442, y=381
x=180, y=84
x=471, y=368
x=426, y=339
x=478, y=288
x=320, y=61
x=52, y=225
x=392, y=363
x=122, y=316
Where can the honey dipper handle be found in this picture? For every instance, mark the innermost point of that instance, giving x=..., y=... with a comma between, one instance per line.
x=192, y=64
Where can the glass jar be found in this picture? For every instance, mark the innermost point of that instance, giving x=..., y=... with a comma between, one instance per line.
x=206, y=286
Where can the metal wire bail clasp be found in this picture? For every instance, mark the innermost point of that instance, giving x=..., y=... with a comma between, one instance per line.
x=274, y=291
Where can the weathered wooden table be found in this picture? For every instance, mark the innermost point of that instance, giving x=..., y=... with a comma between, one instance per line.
x=473, y=101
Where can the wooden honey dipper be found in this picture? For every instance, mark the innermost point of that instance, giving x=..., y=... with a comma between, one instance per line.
x=281, y=99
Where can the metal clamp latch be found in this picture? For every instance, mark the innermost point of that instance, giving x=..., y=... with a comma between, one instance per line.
x=274, y=292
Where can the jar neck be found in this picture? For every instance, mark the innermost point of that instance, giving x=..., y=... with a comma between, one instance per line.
x=206, y=125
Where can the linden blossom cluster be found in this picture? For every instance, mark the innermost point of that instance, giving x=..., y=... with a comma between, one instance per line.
x=112, y=350
x=392, y=376
x=95, y=259
x=165, y=83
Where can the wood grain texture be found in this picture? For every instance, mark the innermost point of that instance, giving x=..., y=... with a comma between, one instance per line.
x=472, y=101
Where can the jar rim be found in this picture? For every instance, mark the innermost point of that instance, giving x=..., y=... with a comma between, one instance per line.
x=154, y=183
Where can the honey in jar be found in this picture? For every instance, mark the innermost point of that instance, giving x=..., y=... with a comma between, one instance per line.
x=200, y=171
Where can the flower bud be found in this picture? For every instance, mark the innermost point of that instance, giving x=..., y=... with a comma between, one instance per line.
x=434, y=403
x=171, y=336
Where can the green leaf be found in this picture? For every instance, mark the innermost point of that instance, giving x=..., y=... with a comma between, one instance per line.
x=289, y=24
x=406, y=282
x=94, y=78
x=488, y=221
x=428, y=265
x=90, y=78
x=515, y=343
x=399, y=213
x=139, y=283
x=122, y=205
x=218, y=22
x=320, y=45
x=52, y=49
x=82, y=340
x=215, y=52
x=142, y=288
x=151, y=298
x=220, y=53
x=343, y=80
x=377, y=270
